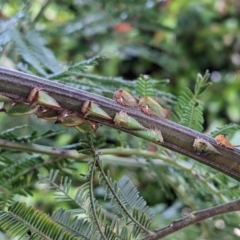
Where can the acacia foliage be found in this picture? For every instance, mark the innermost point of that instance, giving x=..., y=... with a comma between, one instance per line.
x=78, y=47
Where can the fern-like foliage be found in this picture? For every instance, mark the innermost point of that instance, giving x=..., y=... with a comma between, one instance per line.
x=85, y=227
x=125, y=215
x=33, y=56
x=19, y=169
x=129, y=197
x=144, y=86
x=228, y=129
x=125, y=198
x=189, y=109
x=31, y=134
x=77, y=68
x=17, y=177
x=79, y=227
x=29, y=45
x=61, y=191
x=37, y=45
x=22, y=47
x=147, y=86
x=131, y=214
x=21, y=219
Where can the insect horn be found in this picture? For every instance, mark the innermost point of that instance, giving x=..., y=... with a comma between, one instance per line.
x=87, y=126
x=89, y=108
x=38, y=96
x=122, y=119
x=46, y=113
x=69, y=119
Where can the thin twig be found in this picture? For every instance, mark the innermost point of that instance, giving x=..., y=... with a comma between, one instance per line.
x=195, y=217
x=117, y=198
x=93, y=203
x=30, y=147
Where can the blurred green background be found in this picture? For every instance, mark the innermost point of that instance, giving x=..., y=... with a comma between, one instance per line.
x=164, y=39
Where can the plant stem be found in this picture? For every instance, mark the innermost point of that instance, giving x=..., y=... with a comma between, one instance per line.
x=178, y=138
x=30, y=147
x=93, y=202
x=107, y=157
x=118, y=200
x=195, y=217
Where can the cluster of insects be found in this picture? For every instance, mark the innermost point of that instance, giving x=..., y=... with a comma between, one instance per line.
x=147, y=105
x=203, y=147
x=47, y=108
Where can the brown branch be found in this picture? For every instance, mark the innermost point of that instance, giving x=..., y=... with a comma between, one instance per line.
x=195, y=217
x=176, y=137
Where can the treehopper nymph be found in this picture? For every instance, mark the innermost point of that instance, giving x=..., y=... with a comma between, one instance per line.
x=153, y=135
x=124, y=98
x=89, y=108
x=121, y=119
x=203, y=147
x=68, y=119
x=222, y=141
x=38, y=96
x=46, y=113
x=149, y=106
x=87, y=126
x=18, y=109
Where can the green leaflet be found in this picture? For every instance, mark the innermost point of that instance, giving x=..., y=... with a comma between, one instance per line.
x=145, y=86
x=189, y=108
x=228, y=129
x=27, y=219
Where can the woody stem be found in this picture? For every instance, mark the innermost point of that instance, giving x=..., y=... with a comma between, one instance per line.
x=178, y=138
